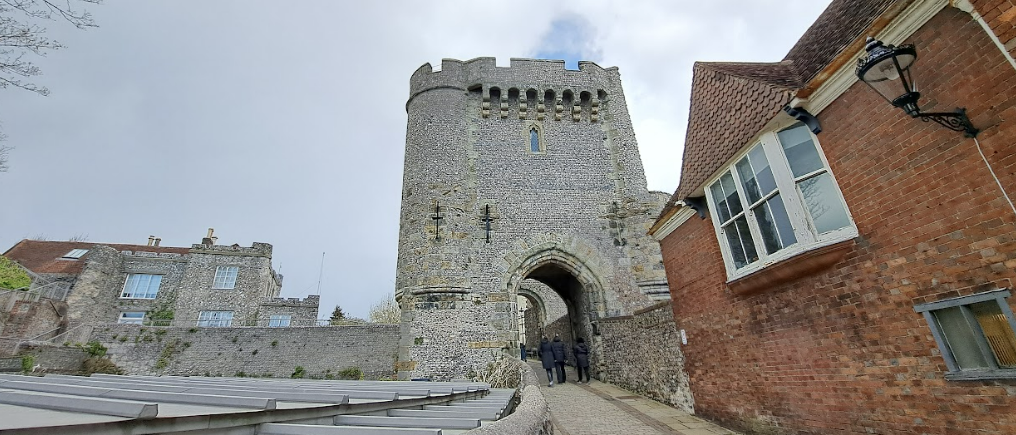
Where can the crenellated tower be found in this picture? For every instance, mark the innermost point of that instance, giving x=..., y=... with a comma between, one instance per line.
x=529, y=172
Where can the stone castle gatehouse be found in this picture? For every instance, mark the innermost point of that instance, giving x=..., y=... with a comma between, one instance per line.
x=529, y=172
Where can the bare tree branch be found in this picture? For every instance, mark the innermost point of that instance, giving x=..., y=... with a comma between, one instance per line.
x=4, y=149
x=21, y=34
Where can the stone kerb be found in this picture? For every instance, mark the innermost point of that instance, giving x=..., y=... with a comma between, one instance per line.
x=532, y=414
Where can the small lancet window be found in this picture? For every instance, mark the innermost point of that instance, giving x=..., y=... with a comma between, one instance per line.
x=534, y=140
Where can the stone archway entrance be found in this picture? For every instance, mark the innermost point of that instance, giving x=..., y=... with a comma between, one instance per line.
x=563, y=298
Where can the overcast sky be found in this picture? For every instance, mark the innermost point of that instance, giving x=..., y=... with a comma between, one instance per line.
x=284, y=121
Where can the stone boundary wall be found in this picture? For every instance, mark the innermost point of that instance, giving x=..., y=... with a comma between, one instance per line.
x=47, y=358
x=642, y=354
x=271, y=352
x=532, y=414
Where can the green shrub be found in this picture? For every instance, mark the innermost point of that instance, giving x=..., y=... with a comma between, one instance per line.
x=12, y=276
x=27, y=362
x=161, y=317
x=100, y=365
x=298, y=373
x=94, y=348
x=351, y=373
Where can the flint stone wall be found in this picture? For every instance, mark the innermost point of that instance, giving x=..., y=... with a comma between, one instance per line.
x=321, y=351
x=47, y=358
x=642, y=354
x=579, y=202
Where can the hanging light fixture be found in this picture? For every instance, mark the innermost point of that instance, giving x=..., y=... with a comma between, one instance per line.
x=887, y=70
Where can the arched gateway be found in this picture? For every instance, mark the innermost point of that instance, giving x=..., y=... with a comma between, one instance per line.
x=518, y=181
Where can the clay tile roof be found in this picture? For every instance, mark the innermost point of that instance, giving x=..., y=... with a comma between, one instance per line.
x=838, y=26
x=731, y=103
x=42, y=256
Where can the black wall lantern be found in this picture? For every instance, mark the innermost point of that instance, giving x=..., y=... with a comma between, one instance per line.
x=886, y=69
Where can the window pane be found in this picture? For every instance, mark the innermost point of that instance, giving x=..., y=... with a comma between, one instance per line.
x=779, y=211
x=756, y=175
x=748, y=180
x=824, y=203
x=215, y=318
x=153, y=286
x=534, y=140
x=742, y=247
x=749, y=244
x=998, y=332
x=141, y=286
x=225, y=277
x=733, y=200
x=777, y=233
x=800, y=150
x=132, y=317
x=960, y=338
x=734, y=242
x=279, y=321
x=721, y=201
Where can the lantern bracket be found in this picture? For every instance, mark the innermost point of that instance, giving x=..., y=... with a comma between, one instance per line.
x=955, y=121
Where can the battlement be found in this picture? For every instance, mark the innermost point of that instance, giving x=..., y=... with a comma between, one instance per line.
x=257, y=249
x=309, y=301
x=534, y=78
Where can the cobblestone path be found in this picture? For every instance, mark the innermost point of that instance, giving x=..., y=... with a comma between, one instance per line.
x=599, y=408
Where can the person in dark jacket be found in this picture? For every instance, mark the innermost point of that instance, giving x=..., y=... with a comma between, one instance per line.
x=522, y=349
x=547, y=357
x=558, y=347
x=582, y=358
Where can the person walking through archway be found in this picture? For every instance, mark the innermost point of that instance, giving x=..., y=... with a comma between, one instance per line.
x=547, y=358
x=558, y=347
x=582, y=358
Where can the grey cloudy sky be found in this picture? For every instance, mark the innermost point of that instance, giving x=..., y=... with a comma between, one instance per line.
x=284, y=121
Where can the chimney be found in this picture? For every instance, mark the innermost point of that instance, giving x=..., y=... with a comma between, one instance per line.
x=157, y=241
x=151, y=240
x=209, y=240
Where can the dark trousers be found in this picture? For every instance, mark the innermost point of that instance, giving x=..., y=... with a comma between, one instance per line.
x=560, y=371
x=550, y=375
x=580, y=369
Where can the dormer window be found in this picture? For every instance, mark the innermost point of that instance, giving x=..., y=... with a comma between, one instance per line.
x=776, y=201
x=75, y=254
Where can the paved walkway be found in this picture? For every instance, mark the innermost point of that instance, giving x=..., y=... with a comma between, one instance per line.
x=599, y=408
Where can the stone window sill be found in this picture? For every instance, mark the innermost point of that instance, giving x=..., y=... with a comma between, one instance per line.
x=980, y=375
x=803, y=264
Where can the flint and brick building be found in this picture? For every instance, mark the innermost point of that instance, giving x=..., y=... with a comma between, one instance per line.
x=203, y=285
x=855, y=277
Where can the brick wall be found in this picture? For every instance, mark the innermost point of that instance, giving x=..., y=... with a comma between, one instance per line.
x=28, y=319
x=1000, y=15
x=642, y=354
x=842, y=351
x=255, y=351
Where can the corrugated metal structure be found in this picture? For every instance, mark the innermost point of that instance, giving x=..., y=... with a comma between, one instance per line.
x=111, y=404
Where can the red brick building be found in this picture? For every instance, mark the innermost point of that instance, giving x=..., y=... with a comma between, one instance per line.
x=857, y=279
